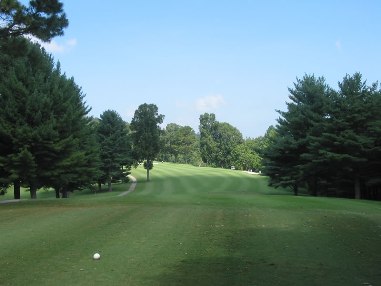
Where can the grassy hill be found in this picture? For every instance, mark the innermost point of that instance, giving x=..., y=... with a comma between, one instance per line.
x=191, y=226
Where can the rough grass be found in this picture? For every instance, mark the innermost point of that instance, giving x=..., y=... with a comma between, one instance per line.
x=191, y=226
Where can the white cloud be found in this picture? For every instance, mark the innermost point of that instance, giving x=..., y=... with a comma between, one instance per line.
x=338, y=45
x=55, y=47
x=71, y=42
x=209, y=103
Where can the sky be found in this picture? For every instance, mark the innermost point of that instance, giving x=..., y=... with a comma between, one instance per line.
x=233, y=58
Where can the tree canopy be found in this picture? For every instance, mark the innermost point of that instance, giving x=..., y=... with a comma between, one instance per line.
x=115, y=146
x=43, y=19
x=179, y=144
x=145, y=127
x=328, y=141
x=44, y=132
x=217, y=141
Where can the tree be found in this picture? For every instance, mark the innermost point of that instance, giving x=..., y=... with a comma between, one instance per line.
x=327, y=140
x=43, y=19
x=208, y=146
x=245, y=159
x=227, y=137
x=348, y=142
x=115, y=146
x=146, y=134
x=179, y=144
x=217, y=141
x=24, y=101
x=288, y=161
x=43, y=122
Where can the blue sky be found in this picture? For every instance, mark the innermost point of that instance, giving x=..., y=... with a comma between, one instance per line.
x=232, y=58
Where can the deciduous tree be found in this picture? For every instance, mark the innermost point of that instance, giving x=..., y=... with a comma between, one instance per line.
x=145, y=126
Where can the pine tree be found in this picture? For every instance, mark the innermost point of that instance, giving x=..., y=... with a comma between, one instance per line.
x=42, y=19
x=349, y=137
x=43, y=120
x=288, y=159
x=115, y=146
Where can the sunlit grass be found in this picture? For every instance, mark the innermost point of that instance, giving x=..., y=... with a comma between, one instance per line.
x=191, y=226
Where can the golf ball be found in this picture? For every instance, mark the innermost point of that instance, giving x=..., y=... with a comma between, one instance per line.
x=96, y=256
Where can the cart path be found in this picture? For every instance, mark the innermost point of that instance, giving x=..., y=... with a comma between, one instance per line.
x=131, y=188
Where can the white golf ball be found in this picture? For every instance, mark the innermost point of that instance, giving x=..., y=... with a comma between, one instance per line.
x=96, y=256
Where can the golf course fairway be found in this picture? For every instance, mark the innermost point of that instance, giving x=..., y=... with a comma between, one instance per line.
x=190, y=226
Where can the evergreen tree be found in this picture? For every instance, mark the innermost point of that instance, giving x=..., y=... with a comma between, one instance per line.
x=115, y=146
x=43, y=121
x=328, y=141
x=43, y=19
x=348, y=143
x=288, y=160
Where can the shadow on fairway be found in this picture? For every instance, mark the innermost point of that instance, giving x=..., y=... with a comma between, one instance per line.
x=274, y=256
x=209, y=271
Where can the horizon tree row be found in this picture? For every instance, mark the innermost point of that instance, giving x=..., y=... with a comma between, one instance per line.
x=47, y=139
x=328, y=142
x=222, y=145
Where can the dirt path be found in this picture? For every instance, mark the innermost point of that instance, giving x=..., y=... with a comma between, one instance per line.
x=131, y=188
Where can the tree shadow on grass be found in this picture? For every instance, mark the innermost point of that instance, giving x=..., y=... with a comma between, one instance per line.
x=244, y=263
x=209, y=271
x=270, y=256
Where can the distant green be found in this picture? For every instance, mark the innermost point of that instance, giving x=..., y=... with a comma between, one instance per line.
x=191, y=226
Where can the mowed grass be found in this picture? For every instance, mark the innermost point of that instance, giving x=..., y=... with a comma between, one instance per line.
x=191, y=226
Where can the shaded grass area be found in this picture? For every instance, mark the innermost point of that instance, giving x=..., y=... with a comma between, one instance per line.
x=191, y=226
x=48, y=193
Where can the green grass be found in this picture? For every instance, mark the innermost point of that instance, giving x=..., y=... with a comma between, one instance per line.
x=191, y=226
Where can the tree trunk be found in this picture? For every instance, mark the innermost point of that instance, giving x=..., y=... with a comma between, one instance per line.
x=33, y=192
x=99, y=186
x=64, y=193
x=57, y=193
x=16, y=189
x=357, y=188
x=148, y=174
x=296, y=190
x=312, y=187
x=109, y=184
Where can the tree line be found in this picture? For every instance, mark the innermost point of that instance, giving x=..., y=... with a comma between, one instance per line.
x=47, y=139
x=217, y=144
x=328, y=142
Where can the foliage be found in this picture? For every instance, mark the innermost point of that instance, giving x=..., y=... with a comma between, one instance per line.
x=44, y=132
x=42, y=19
x=217, y=141
x=146, y=133
x=115, y=147
x=179, y=145
x=245, y=159
x=207, y=128
x=327, y=141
